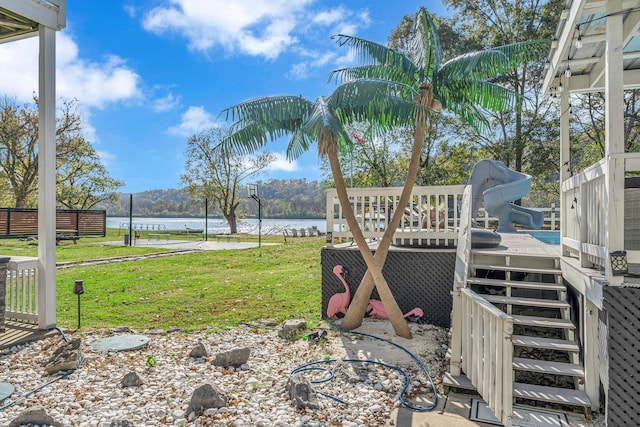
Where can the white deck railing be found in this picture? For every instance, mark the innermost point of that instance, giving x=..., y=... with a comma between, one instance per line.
x=432, y=214
x=551, y=218
x=487, y=352
x=588, y=197
x=431, y=217
x=22, y=289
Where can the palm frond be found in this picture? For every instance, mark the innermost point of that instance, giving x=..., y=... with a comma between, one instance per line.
x=245, y=138
x=486, y=95
x=324, y=125
x=425, y=50
x=372, y=53
x=376, y=71
x=298, y=145
x=388, y=104
x=260, y=120
x=471, y=115
x=483, y=64
x=264, y=109
x=525, y=52
x=491, y=63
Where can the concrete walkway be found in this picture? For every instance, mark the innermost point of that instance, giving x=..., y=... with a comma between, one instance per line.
x=199, y=245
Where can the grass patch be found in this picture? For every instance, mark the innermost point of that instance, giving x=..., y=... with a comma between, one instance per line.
x=188, y=291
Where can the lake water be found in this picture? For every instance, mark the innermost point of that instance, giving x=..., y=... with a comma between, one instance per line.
x=214, y=225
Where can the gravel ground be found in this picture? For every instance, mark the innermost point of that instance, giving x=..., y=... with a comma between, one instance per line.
x=92, y=395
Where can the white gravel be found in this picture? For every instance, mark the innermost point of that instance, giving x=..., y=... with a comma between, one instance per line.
x=92, y=395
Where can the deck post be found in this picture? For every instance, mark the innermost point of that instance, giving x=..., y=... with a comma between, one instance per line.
x=565, y=164
x=47, y=180
x=614, y=134
x=591, y=348
x=455, y=363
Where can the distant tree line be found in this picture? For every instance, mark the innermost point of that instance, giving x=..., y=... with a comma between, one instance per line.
x=291, y=198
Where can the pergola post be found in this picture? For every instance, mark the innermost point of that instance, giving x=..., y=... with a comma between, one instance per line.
x=47, y=180
x=614, y=134
x=565, y=160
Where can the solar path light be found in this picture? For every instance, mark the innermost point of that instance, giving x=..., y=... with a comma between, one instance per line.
x=78, y=289
x=252, y=190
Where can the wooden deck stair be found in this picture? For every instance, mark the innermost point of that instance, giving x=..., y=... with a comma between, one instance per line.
x=545, y=343
x=531, y=290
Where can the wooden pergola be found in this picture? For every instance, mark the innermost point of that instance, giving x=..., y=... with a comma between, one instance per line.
x=20, y=19
x=596, y=48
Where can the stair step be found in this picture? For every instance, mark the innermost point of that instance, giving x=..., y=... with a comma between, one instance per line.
x=516, y=268
x=551, y=394
x=512, y=255
x=543, y=322
x=531, y=302
x=460, y=382
x=516, y=284
x=545, y=343
x=546, y=367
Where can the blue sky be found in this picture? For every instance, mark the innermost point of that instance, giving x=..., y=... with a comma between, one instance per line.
x=148, y=74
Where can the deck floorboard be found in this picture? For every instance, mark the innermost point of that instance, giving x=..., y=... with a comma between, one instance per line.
x=17, y=333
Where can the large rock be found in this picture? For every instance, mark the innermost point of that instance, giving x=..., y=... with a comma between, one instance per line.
x=292, y=329
x=36, y=416
x=131, y=379
x=66, y=357
x=235, y=358
x=121, y=423
x=205, y=397
x=200, y=350
x=301, y=392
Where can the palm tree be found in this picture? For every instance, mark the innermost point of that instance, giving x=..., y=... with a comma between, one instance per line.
x=258, y=121
x=461, y=85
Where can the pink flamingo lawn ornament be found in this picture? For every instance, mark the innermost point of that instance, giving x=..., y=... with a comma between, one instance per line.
x=376, y=310
x=338, y=303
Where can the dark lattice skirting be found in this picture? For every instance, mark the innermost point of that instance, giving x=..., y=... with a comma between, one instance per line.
x=623, y=311
x=417, y=279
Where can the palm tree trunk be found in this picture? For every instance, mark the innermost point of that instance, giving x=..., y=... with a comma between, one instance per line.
x=391, y=306
x=358, y=306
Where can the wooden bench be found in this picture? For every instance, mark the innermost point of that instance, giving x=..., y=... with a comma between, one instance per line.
x=67, y=235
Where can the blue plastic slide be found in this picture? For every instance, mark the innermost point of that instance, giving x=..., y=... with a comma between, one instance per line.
x=498, y=185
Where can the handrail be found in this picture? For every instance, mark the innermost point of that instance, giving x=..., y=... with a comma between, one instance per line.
x=481, y=333
x=463, y=249
x=487, y=353
x=22, y=289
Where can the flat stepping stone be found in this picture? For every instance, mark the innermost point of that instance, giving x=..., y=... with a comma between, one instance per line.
x=6, y=390
x=121, y=343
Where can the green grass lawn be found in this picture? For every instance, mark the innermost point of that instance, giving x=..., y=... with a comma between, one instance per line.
x=189, y=291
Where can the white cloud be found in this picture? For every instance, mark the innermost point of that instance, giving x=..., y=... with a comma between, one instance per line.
x=194, y=120
x=282, y=164
x=264, y=28
x=106, y=158
x=299, y=71
x=348, y=58
x=167, y=103
x=130, y=10
x=254, y=27
x=94, y=84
